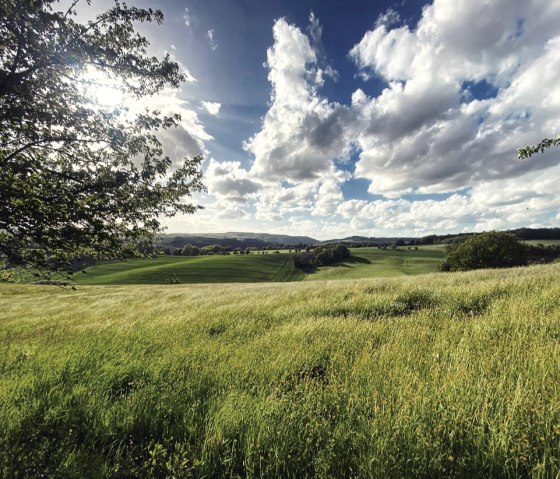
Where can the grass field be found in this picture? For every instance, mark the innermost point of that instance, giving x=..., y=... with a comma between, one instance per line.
x=543, y=242
x=442, y=375
x=374, y=262
x=197, y=269
x=255, y=268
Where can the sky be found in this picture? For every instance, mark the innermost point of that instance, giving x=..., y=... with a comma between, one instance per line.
x=334, y=118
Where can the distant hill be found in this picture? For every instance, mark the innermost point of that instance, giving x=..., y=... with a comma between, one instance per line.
x=366, y=239
x=235, y=240
x=268, y=240
x=275, y=238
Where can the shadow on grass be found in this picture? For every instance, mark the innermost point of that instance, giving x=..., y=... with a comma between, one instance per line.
x=350, y=261
x=347, y=263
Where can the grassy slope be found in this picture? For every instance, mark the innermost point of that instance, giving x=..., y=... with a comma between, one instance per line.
x=543, y=242
x=366, y=263
x=374, y=262
x=199, y=269
x=433, y=376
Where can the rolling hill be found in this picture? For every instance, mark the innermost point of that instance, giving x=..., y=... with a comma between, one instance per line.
x=198, y=269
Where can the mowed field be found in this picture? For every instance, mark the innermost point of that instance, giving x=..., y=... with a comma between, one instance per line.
x=441, y=375
x=197, y=269
x=375, y=262
x=255, y=268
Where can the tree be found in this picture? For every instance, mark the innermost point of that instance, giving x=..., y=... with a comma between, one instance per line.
x=190, y=250
x=545, y=143
x=486, y=250
x=76, y=177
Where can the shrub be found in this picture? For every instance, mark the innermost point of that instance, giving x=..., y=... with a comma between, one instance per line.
x=486, y=250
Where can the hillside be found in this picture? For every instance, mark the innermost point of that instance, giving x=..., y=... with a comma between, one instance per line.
x=265, y=240
x=443, y=375
x=376, y=263
x=197, y=269
x=234, y=240
x=254, y=268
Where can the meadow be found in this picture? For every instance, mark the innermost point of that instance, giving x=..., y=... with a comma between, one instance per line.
x=193, y=269
x=375, y=262
x=268, y=267
x=440, y=375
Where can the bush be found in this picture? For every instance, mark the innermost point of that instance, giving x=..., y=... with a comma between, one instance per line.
x=486, y=250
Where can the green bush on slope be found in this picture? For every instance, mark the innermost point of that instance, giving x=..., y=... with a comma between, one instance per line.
x=486, y=250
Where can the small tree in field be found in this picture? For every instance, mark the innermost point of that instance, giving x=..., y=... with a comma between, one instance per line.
x=486, y=250
x=76, y=177
x=190, y=250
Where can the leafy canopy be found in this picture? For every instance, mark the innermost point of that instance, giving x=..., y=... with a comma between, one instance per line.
x=487, y=250
x=77, y=177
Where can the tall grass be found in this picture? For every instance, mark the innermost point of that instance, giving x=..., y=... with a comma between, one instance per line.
x=445, y=375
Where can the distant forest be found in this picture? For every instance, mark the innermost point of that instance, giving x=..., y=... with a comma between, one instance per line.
x=170, y=243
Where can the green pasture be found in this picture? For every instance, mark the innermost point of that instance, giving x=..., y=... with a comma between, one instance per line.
x=194, y=269
x=255, y=268
x=441, y=375
x=375, y=262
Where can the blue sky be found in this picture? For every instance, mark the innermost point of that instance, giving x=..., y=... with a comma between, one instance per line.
x=335, y=118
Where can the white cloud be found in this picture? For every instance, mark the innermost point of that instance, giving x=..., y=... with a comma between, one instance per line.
x=225, y=210
x=389, y=18
x=187, y=18
x=302, y=133
x=428, y=131
x=495, y=204
x=227, y=180
x=211, y=40
x=211, y=107
x=189, y=138
x=424, y=132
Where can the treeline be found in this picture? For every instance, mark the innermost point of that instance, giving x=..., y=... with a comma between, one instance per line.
x=231, y=244
x=321, y=256
x=216, y=249
x=523, y=234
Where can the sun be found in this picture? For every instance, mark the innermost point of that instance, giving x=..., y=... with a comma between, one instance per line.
x=108, y=95
x=102, y=90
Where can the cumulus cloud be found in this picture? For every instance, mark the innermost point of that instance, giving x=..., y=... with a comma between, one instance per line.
x=427, y=131
x=189, y=138
x=228, y=181
x=211, y=107
x=470, y=83
x=302, y=133
x=495, y=204
x=225, y=210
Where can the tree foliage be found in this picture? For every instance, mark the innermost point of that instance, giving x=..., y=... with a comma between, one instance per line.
x=321, y=256
x=486, y=250
x=545, y=143
x=76, y=177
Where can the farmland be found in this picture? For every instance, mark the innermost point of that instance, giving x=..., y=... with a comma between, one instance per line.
x=270, y=267
x=374, y=262
x=197, y=269
x=429, y=376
